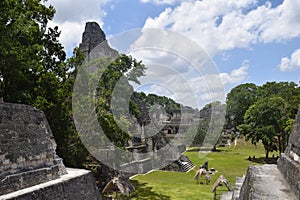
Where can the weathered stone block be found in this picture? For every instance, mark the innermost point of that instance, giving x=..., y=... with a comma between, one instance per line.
x=294, y=140
x=75, y=185
x=27, y=150
x=291, y=172
x=265, y=182
x=289, y=162
x=29, y=166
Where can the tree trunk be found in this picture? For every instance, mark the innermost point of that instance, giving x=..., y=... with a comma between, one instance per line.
x=267, y=154
x=280, y=143
x=284, y=140
x=214, y=148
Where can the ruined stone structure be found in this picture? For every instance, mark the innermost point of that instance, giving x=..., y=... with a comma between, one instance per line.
x=147, y=137
x=94, y=43
x=29, y=166
x=271, y=181
x=289, y=162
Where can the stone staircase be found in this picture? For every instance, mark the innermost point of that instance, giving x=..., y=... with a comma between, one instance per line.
x=186, y=165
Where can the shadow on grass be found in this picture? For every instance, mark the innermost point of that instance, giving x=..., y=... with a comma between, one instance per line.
x=142, y=191
x=263, y=160
x=205, y=149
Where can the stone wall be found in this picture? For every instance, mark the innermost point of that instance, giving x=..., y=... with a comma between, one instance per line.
x=27, y=148
x=29, y=166
x=26, y=139
x=75, y=185
x=289, y=162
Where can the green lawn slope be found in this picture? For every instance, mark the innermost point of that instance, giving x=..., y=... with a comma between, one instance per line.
x=229, y=161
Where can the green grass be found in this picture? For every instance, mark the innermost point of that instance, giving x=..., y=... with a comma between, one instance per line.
x=230, y=161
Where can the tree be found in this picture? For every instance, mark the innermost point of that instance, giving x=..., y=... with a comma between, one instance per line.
x=115, y=125
x=238, y=100
x=33, y=71
x=30, y=53
x=266, y=120
x=289, y=91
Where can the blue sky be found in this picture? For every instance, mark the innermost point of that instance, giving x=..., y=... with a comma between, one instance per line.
x=247, y=40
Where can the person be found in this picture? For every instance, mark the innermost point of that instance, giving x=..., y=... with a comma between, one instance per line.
x=206, y=165
x=207, y=177
x=201, y=171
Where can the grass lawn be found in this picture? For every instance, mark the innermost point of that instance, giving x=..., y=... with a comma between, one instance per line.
x=229, y=161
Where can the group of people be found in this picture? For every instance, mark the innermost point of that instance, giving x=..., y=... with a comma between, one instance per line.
x=203, y=170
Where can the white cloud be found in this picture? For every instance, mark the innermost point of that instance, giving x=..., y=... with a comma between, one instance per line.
x=70, y=35
x=281, y=23
x=200, y=90
x=159, y=2
x=191, y=88
x=178, y=68
x=292, y=63
x=71, y=16
x=218, y=25
x=77, y=10
x=236, y=75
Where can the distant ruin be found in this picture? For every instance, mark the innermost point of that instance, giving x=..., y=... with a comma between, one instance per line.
x=29, y=166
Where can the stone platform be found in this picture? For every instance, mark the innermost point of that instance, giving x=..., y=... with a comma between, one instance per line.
x=76, y=184
x=265, y=182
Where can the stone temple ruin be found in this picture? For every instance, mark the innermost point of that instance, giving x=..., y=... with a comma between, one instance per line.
x=29, y=166
x=280, y=182
x=143, y=147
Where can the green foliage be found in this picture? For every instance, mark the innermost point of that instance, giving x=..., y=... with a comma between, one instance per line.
x=196, y=134
x=30, y=53
x=140, y=104
x=69, y=145
x=165, y=102
x=289, y=91
x=116, y=75
x=209, y=129
x=264, y=113
x=239, y=99
x=266, y=120
x=33, y=70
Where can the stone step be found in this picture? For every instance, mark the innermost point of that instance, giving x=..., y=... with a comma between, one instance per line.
x=265, y=182
x=186, y=166
x=237, y=187
x=76, y=184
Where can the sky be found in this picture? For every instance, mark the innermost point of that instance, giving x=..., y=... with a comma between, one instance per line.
x=232, y=41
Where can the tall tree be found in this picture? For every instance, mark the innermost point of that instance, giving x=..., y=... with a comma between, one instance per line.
x=33, y=70
x=266, y=121
x=289, y=91
x=238, y=100
x=115, y=125
x=30, y=53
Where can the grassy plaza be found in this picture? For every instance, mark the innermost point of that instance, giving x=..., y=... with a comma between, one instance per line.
x=229, y=161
